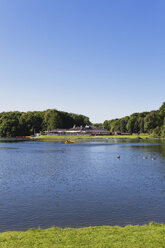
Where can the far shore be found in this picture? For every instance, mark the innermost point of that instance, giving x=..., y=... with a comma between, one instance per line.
x=89, y=137
x=81, y=137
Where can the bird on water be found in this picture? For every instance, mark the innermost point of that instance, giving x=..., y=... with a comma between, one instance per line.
x=145, y=157
x=153, y=158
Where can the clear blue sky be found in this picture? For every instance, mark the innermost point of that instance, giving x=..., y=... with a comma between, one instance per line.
x=101, y=58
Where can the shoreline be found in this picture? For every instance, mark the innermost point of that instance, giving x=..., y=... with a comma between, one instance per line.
x=142, y=137
x=88, y=137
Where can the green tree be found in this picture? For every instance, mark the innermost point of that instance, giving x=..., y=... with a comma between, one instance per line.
x=123, y=125
x=151, y=121
x=131, y=124
x=52, y=119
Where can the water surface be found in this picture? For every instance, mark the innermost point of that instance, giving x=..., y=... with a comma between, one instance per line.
x=46, y=183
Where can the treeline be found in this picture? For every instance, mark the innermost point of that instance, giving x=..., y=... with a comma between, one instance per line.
x=26, y=123
x=147, y=122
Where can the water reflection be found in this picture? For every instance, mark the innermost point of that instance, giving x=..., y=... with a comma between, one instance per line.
x=152, y=149
x=6, y=148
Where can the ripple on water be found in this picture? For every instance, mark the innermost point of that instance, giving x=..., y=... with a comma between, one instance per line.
x=45, y=184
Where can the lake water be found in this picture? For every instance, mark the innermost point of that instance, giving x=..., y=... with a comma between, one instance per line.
x=44, y=184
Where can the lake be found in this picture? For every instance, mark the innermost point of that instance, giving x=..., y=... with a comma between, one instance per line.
x=44, y=184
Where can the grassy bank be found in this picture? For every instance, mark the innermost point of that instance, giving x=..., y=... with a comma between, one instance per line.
x=147, y=236
x=77, y=137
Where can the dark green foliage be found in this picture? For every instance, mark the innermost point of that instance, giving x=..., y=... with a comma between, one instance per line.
x=157, y=132
x=132, y=124
x=100, y=125
x=14, y=124
x=163, y=132
x=147, y=122
x=162, y=111
x=106, y=124
x=141, y=124
x=52, y=119
x=80, y=120
x=123, y=124
x=163, y=129
x=151, y=121
x=30, y=122
x=9, y=124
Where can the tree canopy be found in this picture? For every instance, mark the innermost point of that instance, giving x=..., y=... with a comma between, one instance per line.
x=152, y=122
x=26, y=123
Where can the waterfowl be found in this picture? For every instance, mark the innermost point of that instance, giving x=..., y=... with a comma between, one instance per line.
x=118, y=156
x=145, y=157
x=153, y=158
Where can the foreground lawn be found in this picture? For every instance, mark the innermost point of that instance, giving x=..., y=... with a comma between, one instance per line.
x=76, y=137
x=152, y=235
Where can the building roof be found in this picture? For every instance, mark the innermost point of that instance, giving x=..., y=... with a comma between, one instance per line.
x=86, y=129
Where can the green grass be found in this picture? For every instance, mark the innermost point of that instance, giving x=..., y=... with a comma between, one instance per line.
x=147, y=236
x=77, y=137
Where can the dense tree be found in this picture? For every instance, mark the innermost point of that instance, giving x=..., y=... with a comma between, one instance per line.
x=141, y=124
x=123, y=124
x=106, y=124
x=162, y=113
x=9, y=124
x=132, y=124
x=52, y=119
x=80, y=120
x=163, y=129
x=30, y=123
x=22, y=124
x=146, y=122
x=151, y=121
x=100, y=125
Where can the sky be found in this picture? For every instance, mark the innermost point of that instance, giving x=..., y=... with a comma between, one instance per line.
x=101, y=58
